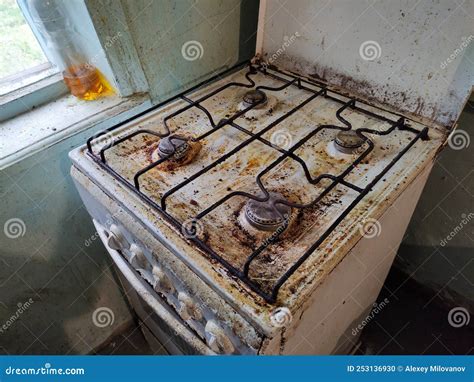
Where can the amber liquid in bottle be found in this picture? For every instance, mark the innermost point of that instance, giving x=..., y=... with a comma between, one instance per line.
x=86, y=82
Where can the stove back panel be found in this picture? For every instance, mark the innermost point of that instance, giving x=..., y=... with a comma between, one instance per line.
x=416, y=56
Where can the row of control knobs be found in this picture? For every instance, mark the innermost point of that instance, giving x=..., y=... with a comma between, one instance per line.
x=216, y=337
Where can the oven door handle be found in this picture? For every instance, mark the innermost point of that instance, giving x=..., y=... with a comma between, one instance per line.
x=146, y=293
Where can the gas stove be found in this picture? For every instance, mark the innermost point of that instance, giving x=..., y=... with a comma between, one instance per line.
x=258, y=186
x=259, y=171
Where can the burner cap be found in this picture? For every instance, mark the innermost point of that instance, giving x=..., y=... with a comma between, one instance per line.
x=348, y=141
x=173, y=145
x=253, y=97
x=264, y=215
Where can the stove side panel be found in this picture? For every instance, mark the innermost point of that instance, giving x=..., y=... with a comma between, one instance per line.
x=416, y=58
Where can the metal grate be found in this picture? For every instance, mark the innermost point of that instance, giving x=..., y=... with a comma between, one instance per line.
x=290, y=80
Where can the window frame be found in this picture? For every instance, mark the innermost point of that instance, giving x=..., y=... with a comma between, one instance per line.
x=118, y=62
x=31, y=87
x=48, y=86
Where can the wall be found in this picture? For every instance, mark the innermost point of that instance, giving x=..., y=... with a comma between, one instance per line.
x=438, y=249
x=56, y=260
x=179, y=43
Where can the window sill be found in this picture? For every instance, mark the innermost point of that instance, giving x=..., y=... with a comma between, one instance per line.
x=42, y=127
x=32, y=89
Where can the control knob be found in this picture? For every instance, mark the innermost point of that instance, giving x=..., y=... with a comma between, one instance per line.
x=116, y=239
x=161, y=282
x=217, y=339
x=188, y=308
x=137, y=257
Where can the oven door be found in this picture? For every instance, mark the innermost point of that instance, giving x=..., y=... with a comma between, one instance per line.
x=163, y=329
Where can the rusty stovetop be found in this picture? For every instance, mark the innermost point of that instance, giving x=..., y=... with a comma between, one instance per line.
x=222, y=229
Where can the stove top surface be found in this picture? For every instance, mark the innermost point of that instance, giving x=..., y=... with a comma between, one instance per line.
x=263, y=169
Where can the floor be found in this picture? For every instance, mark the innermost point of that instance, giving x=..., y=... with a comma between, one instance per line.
x=413, y=322
x=129, y=342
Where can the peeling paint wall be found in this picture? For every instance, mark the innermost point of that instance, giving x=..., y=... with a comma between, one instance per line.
x=414, y=56
x=178, y=43
x=54, y=259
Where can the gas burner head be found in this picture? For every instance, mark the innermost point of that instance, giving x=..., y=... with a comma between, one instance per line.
x=348, y=141
x=179, y=151
x=173, y=145
x=265, y=216
x=253, y=97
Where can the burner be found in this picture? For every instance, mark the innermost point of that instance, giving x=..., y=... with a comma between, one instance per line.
x=253, y=97
x=180, y=151
x=174, y=145
x=264, y=215
x=348, y=142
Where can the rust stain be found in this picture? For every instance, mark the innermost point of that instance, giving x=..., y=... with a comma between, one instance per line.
x=388, y=95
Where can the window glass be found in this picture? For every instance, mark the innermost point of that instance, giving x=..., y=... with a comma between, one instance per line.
x=19, y=49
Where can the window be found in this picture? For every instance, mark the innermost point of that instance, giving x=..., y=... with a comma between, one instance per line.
x=47, y=48
x=27, y=77
x=22, y=60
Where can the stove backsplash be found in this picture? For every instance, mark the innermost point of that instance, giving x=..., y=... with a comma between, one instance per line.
x=414, y=56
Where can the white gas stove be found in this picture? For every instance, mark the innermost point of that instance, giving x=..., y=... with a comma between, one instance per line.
x=256, y=213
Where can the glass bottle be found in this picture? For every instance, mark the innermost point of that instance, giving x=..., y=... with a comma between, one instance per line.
x=62, y=44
